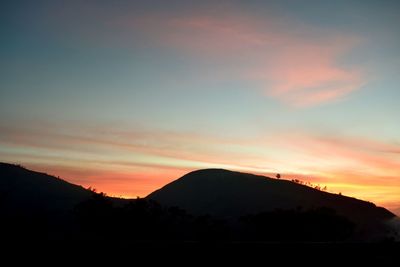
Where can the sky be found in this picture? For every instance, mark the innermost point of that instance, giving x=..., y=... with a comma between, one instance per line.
x=126, y=96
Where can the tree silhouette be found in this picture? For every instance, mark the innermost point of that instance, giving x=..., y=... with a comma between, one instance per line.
x=278, y=176
x=312, y=225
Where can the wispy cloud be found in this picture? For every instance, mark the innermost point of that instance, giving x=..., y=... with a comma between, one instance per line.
x=298, y=64
x=144, y=159
x=305, y=73
x=343, y=154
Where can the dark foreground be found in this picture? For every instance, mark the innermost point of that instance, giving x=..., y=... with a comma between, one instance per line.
x=44, y=219
x=202, y=254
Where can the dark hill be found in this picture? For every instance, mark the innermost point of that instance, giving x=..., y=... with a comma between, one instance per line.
x=37, y=206
x=24, y=192
x=229, y=194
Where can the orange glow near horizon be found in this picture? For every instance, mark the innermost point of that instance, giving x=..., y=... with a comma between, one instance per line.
x=140, y=184
x=362, y=168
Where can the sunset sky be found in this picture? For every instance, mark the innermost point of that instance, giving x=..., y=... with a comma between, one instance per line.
x=126, y=96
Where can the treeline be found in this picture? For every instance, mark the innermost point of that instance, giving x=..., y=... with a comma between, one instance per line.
x=107, y=219
x=146, y=220
x=143, y=220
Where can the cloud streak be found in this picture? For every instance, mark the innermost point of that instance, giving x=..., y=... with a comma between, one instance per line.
x=294, y=63
x=93, y=156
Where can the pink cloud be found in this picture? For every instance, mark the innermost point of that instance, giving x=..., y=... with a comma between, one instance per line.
x=294, y=63
x=194, y=149
x=199, y=34
x=88, y=143
x=306, y=73
x=370, y=157
x=137, y=162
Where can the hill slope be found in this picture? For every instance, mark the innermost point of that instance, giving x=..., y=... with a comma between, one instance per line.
x=23, y=191
x=229, y=194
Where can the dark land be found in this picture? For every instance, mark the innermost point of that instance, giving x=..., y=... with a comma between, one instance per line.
x=208, y=214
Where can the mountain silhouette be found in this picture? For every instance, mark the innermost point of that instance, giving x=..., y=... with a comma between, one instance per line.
x=23, y=191
x=228, y=194
x=211, y=204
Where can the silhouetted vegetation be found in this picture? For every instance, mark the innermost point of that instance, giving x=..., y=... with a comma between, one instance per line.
x=143, y=219
x=318, y=187
x=320, y=224
x=36, y=206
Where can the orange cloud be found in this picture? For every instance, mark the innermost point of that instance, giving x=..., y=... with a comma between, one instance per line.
x=306, y=74
x=136, y=162
x=295, y=63
x=370, y=158
x=194, y=150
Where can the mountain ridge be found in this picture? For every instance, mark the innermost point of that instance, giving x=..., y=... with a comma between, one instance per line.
x=228, y=194
x=206, y=187
x=235, y=202
x=26, y=191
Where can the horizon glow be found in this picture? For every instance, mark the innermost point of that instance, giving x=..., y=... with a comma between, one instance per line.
x=126, y=97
